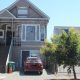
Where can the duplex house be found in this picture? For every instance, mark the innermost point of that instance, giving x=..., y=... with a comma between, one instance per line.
x=23, y=29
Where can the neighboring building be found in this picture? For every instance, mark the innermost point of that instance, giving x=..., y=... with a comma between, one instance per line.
x=59, y=29
x=24, y=27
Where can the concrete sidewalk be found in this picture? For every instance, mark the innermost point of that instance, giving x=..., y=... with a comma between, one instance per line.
x=3, y=76
x=44, y=76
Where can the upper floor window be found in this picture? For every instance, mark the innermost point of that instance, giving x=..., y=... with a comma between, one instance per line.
x=33, y=32
x=22, y=12
x=30, y=32
x=42, y=31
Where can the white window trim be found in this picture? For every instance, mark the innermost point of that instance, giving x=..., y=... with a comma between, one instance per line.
x=35, y=32
x=2, y=33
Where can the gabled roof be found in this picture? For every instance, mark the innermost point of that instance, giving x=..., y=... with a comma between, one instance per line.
x=6, y=14
x=32, y=6
x=38, y=10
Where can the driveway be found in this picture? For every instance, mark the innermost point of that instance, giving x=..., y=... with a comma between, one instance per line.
x=35, y=76
x=28, y=76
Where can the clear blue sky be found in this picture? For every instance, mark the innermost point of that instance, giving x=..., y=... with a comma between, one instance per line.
x=61, y=12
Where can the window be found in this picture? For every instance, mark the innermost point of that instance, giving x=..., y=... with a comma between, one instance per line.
x=34, y=53
x=38, y=28
x=30, y=32
x=66, y=30
x=18, y=29
x=1, y=33
x=42, y=31
x=8, y=28
x=22, y=12
x=23, y=33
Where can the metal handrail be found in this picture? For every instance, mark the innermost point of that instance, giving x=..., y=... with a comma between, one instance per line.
x=9, y=55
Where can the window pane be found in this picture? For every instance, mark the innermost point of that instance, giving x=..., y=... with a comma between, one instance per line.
x=42, y=31
x=37, y=32
x=22, y=12
x=30, y=32
x=34, y=53
x=23, y=33
x=19, y=31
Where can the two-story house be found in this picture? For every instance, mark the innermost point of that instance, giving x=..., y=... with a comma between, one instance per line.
x=23, y=29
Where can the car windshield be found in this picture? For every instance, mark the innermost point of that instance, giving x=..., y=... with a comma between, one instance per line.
x=32, y=59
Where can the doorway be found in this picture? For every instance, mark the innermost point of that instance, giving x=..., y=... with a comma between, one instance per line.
x=8, y=37
x=25, y=54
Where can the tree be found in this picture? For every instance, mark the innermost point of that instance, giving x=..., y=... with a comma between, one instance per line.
x=48, y=51
x=64, y=49
x=68, y=49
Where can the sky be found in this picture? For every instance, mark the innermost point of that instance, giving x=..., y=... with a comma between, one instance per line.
x=61, y=12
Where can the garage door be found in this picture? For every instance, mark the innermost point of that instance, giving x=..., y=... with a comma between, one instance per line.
x=25, y=54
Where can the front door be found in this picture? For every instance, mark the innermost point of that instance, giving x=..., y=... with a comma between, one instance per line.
x=8, y=37
x=25, y=54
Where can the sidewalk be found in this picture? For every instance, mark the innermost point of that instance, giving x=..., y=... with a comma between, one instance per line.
x=3, y=76
x=44, y=76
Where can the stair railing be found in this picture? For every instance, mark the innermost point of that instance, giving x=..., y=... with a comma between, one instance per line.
x=9, y=55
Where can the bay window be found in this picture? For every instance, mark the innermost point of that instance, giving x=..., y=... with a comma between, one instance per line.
x=32, y=32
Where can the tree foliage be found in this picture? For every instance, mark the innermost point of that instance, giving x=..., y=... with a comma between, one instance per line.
x=64, y=49
x=48, y=50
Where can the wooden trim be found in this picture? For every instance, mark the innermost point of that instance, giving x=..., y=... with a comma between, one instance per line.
x=12, y=16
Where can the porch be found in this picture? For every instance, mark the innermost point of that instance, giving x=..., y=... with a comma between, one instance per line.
x=7, y=41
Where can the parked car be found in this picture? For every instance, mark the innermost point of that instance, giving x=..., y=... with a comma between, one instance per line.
x=33, y=64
